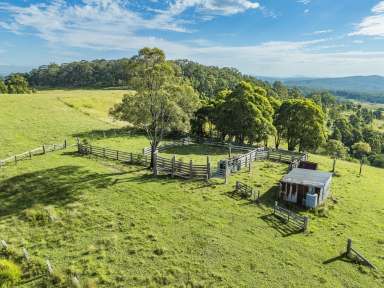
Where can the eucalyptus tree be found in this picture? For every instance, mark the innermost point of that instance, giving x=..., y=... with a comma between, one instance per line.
x=163, y=100
x=302, y=123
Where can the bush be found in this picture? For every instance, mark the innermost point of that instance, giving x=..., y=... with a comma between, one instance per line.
x=39, y=214
x=10, y=274
x=377, y=160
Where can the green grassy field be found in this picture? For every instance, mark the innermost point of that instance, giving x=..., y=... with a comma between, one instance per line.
x=117, y=226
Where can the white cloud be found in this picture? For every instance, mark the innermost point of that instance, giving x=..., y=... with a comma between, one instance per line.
x=379, y=8
x=372, y=25
x=305, y=2
x=111, y=25
x=318, y=32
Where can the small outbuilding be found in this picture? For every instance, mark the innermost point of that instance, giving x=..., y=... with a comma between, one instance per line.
x=307, y=188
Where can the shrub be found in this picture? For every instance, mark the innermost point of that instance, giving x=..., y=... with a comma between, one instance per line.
x=39, y=214
x=10, y=274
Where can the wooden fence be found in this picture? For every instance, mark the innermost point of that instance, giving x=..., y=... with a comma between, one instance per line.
x=352, y=252
x=46, y=148
x=121, y=156
x=245, y=191
x=181, y=169
x=290, y=217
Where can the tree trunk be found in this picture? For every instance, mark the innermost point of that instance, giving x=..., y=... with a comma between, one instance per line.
x=291, y=146
x=334, y=165
x=277, y=142
x=361, y=167
x=153, y=150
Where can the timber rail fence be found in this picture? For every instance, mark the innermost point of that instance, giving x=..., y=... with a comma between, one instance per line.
x=181, y=169
x=230, y=165
x=302, y=222
x=46, y=148
x=111, y=154
x=245, y=191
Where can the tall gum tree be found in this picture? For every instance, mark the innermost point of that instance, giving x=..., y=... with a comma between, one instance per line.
x=163, y=101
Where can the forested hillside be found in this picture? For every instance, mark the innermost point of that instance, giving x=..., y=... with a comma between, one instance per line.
x=207, y=80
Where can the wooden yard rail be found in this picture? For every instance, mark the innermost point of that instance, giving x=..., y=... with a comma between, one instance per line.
x=46, y=148
x=181, y=169
x=245, y=191
x=121, y=156
x=290, y=217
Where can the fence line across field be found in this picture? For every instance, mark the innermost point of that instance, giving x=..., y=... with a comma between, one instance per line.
x=121, y=156
x=43, y=149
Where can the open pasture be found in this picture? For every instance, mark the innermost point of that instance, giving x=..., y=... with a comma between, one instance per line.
x=115, y=225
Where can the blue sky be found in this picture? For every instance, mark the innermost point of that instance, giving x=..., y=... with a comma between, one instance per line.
x=279, y=38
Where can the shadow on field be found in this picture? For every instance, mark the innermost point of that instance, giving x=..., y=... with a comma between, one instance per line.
x=196, y=149
x=109, y=133
x=268, y=198
x=58, y=186
x=285, y=229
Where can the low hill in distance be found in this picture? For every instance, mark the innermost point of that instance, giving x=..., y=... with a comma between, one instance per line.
x=366, y=84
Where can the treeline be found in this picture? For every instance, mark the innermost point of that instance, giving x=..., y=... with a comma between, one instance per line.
x=207, y=80
x=316, y=122
x=362, y=96
x=372, y=97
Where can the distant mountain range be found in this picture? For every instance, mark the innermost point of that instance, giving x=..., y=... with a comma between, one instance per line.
x=364, y=84
x=361, y=88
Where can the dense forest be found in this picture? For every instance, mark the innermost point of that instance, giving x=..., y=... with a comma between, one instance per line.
x=304, y=119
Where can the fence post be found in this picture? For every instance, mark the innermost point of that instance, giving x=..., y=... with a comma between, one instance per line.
x=237, y=186
x=250, y=163
x=349, y=248
x=15, y=159
x=143, y=151
x=274, y=208
x=131, y=155
x=173, y=165
x=306, y=222
x=246, y=162
x=208, y=168
x=103, y=152
x=230, y=150
x=155, y=172
x=65, y=143
x=117, y=155
x=30, y=155
x=190, y=169
x=226, y=172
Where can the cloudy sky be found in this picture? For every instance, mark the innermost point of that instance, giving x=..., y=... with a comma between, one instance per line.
x=259, y=37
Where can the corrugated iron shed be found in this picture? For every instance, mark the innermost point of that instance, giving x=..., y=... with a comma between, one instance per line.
x=307, y=177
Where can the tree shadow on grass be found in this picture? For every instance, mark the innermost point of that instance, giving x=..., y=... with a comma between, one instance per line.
x=110, y=133
x=58, y=186
x=197, y=149
x=268, y=198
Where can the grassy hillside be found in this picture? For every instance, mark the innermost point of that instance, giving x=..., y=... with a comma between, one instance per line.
x=50, y=116
x=118, y=226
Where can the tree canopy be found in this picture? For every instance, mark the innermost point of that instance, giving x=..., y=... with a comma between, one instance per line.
x=301, y=123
